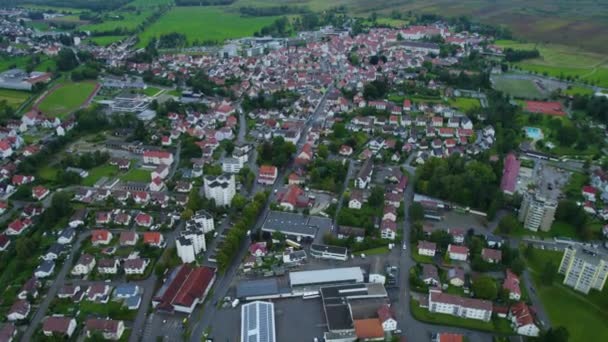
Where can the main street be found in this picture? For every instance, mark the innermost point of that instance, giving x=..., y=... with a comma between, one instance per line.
x=208, y=310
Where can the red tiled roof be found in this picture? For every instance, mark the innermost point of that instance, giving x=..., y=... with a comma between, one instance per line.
x=509, y=173
x=56, y=324
x=188, y=284
x=368, y=328
x=458, y=249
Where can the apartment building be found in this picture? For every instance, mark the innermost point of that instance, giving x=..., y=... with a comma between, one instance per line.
x=584, y=269
x=459, y=306
x=537, y=212
x=220, y=188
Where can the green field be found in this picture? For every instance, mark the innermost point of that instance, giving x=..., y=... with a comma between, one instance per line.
x=151, y=91
x=106, y=40
x=562, y=303
x=13, y=98
x=563, y=61
x=66, y=99
x=464, y=103
x=520, y=88
x=127, y=20
x=100, y=171
x=204, y=24
x=136, y=175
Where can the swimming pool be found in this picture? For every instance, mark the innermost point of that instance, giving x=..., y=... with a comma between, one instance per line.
x=533, y=133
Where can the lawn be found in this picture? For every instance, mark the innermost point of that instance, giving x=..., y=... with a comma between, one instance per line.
x=562, y=304
x=66, y=99
x=106, y=40
x=464, y=103
x=204, y=24
x=151, y=91
x=521, y=88
x=48, y=173
x=136, y=175
x=12, y=62
x=13, y=98
x=578, y=90
x=422, y=314
x=100, y=171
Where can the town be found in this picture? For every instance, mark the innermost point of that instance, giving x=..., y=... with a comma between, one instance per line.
x=346, y=182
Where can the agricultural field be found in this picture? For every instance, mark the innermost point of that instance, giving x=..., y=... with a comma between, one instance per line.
x=516, y=87
x=11, y=62
x=204, y=24
x=126, y=20
x=13, y=98
x=563, y=61
x=66, y=98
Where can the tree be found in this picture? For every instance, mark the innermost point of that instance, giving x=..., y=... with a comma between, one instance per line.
x=559, y=334
x=376, y=198
x=66, y=60
x=507, y=224
x=238, y=202
x=548, y=273
x=24, y=247
x=416, y=212
x=485, y=287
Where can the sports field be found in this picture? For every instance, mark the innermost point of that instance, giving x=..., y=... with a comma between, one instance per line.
x=204, y=24
x=13, y=98
x=519, y=88
x=66, y=98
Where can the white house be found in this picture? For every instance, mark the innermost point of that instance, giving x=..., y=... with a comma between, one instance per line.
x=458, y=252
x=459, y=306
x=427, y=248
x=387, y=318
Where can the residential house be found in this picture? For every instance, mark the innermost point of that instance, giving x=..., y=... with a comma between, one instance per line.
x=154, y=239
x=84, y=265
x=456, y=276
x=108, y=266
x=522, y=320
x=19, y=311
x=108, y=328
x=430, y=276
x=387, y=318
x=267, y=174
x=427, y=248
x=456, y=252
x=493, y=256
x=128, y=238
x=45, y=269
x=135, y=266
x=364, y=177
x=344, y=232
x=459, y=306
x=101, y=237
x=511, y=284
x=356, y=199
x=59, y=325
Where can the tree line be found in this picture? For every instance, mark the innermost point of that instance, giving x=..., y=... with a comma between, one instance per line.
x=271, y=11
x=203, y=2
x=93, y=5
x=512, y=55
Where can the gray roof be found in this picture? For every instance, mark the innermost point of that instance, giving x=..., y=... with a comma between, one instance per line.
x=326, y=276
x=289, y=223
x=255, y=288
x=257, y=322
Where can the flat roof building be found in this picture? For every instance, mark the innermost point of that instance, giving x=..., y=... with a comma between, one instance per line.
x=292, y=224
x=584, y=269
x=257, y=322
x=329, y=252
x=329, y=276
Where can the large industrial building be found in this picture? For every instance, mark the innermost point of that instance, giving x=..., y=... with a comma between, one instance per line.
x=584, y=269
x=331, y=276
x=257, y=322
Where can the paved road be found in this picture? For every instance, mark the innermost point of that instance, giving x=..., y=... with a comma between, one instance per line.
x=52, y=292
x=208, y=310
x=349, y=174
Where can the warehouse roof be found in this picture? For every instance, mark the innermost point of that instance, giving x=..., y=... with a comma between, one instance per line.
x=326, y=276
